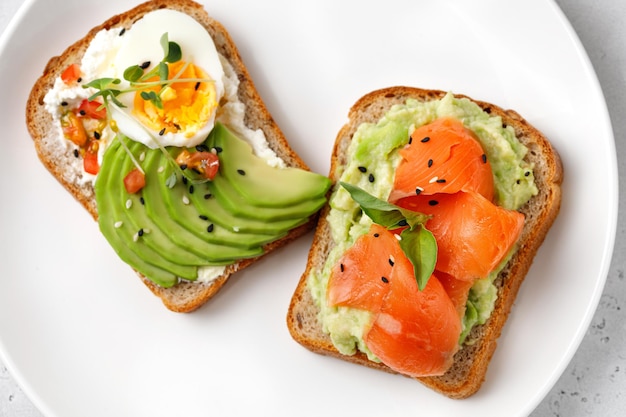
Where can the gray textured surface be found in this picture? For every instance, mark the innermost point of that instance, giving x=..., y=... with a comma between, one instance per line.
x=595, y=381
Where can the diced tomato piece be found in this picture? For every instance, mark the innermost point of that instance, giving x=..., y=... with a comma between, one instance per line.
x=71, y=74
x=134, y=181
x=206, y=163
x=73, y=129
x=92, y=109
x=90, y=163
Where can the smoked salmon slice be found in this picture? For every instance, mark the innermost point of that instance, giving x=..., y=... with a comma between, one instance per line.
x=442, y=157
x=473, y=234
x=457, y=290
x=360, y=278
x=413, y=332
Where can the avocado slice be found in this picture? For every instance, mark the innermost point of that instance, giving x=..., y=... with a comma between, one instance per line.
x=259, y=183
x=236, y=204
x=153, y=235
x=182, y=222
x=165, y=235
x=208, y=206
x=244, y=197
x=117, y=229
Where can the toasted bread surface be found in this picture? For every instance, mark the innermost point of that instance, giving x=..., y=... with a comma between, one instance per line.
x=60, y=161
x=470, y=365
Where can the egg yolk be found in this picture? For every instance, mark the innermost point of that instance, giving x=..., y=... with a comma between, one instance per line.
x=186, y=105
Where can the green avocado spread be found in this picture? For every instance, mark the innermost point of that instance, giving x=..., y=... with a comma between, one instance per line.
x=374, y=149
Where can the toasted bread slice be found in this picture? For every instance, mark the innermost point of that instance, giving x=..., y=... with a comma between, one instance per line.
x=467, y=373
x=59, y=160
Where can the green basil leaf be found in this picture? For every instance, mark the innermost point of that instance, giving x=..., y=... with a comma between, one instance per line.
x=417, y=243
x=133, y=73
x=420, y=247
x=382, y=212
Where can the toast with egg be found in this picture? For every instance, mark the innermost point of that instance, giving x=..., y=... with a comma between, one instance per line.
x=471, y=361
x=64, y=162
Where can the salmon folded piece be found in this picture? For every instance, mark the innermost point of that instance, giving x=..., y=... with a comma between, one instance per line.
x=442, y=157
x=413, y=332
x=473, y=234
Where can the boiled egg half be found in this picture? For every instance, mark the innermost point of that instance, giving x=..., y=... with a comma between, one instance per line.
x=188, y=104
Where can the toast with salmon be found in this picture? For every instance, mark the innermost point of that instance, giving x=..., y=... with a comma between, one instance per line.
x=65, y=160
x=468, y=361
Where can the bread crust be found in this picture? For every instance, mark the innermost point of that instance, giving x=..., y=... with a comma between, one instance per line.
x=186, y=296
x=470, y=365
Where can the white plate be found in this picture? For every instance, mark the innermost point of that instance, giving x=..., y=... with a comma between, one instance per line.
x=81, y=334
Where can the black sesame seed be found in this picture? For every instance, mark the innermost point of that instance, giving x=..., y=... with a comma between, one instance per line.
x=484, y=158
x=122, y=31
x=410, y=140
x=430, y=163
x=503, y=125
x=162, y=132
x=64, y=103
x=76, y=153
x=140, y=232
x=518, y=181
x=527, y=173
x=241, y=172
x=97, y=135
x=183, y=167
x=177, y=126
x=403, y=223
x=362, y=169
x=371, y=178
x=341, y=267
x=385, y=280
x=142, y=201
x=426, y=139
x=201, y=148
x=207, y=196
x=376, y=235
x=488, y=110
x=203, y=217
x=418, y=191
x=210, y=228
x=82, y=112
x=433, y=202
x=144, y=65
x=197, y=86
x=79, y=79
x=185, y=180
x=191, y=189
x=391, y=262
x=441, y=180
x=218, y=149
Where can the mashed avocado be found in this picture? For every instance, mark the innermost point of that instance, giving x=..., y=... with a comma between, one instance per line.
x=372, y=161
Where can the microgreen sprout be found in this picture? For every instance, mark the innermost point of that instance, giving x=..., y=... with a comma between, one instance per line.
x=108, y=89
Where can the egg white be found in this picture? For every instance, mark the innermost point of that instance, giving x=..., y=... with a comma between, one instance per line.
x=141, y=43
